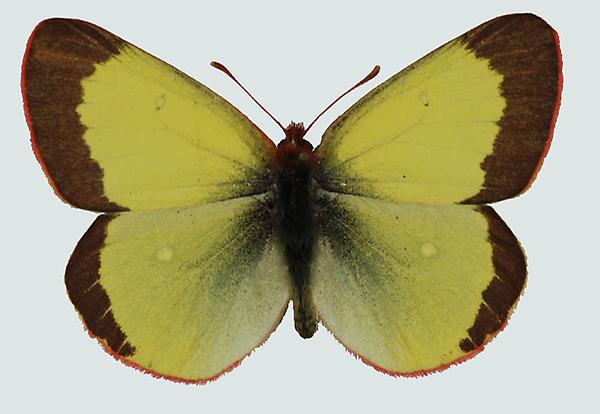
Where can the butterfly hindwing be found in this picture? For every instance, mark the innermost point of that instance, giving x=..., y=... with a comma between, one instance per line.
x=117, y=129
x=412, y=288
x=469, y=123
x=183, y=293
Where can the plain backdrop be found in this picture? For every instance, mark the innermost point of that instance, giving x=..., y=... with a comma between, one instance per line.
x=296, y=57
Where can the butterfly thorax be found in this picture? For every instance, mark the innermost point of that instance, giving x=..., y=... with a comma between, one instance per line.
x=295, y=189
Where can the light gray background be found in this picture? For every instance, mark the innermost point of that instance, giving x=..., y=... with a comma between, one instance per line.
x=296, y=58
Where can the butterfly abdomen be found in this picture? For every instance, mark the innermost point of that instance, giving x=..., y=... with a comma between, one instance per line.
x=296, y=225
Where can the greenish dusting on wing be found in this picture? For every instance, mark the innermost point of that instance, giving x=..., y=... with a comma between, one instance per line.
x=363, y=254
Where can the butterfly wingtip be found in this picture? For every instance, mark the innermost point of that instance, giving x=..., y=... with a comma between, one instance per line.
x=556, y=110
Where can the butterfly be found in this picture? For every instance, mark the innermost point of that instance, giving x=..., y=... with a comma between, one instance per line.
x=208, y=229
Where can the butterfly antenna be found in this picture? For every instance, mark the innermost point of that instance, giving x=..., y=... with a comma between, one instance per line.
x=226, y=71
x=364, y=80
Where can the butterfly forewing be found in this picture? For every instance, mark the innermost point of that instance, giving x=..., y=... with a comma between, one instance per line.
x=117, y=129
x=469, y=123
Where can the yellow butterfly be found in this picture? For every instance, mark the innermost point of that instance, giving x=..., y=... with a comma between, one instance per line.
x=382, y=233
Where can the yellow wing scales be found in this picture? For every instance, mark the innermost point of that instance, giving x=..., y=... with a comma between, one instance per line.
x=183, y=144
x=120, y=129
x=470, y=122
x=412, y=288
x=421, y=135
x=188, y=292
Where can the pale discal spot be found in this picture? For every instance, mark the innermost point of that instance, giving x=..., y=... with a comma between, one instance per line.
x=160, y=102
x=428, y=250
x=165, y=254
x=424, y=98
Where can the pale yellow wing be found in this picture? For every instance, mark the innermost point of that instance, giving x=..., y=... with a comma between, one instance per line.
x=181, y=293
x=116, y=128
x=413, y=288
x=470, y=122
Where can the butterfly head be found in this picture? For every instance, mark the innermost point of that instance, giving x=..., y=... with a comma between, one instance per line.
x=294, y=148
x=294, y=134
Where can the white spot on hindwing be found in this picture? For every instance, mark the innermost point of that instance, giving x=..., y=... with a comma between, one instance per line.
x=165, y=254
x=428, y=250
